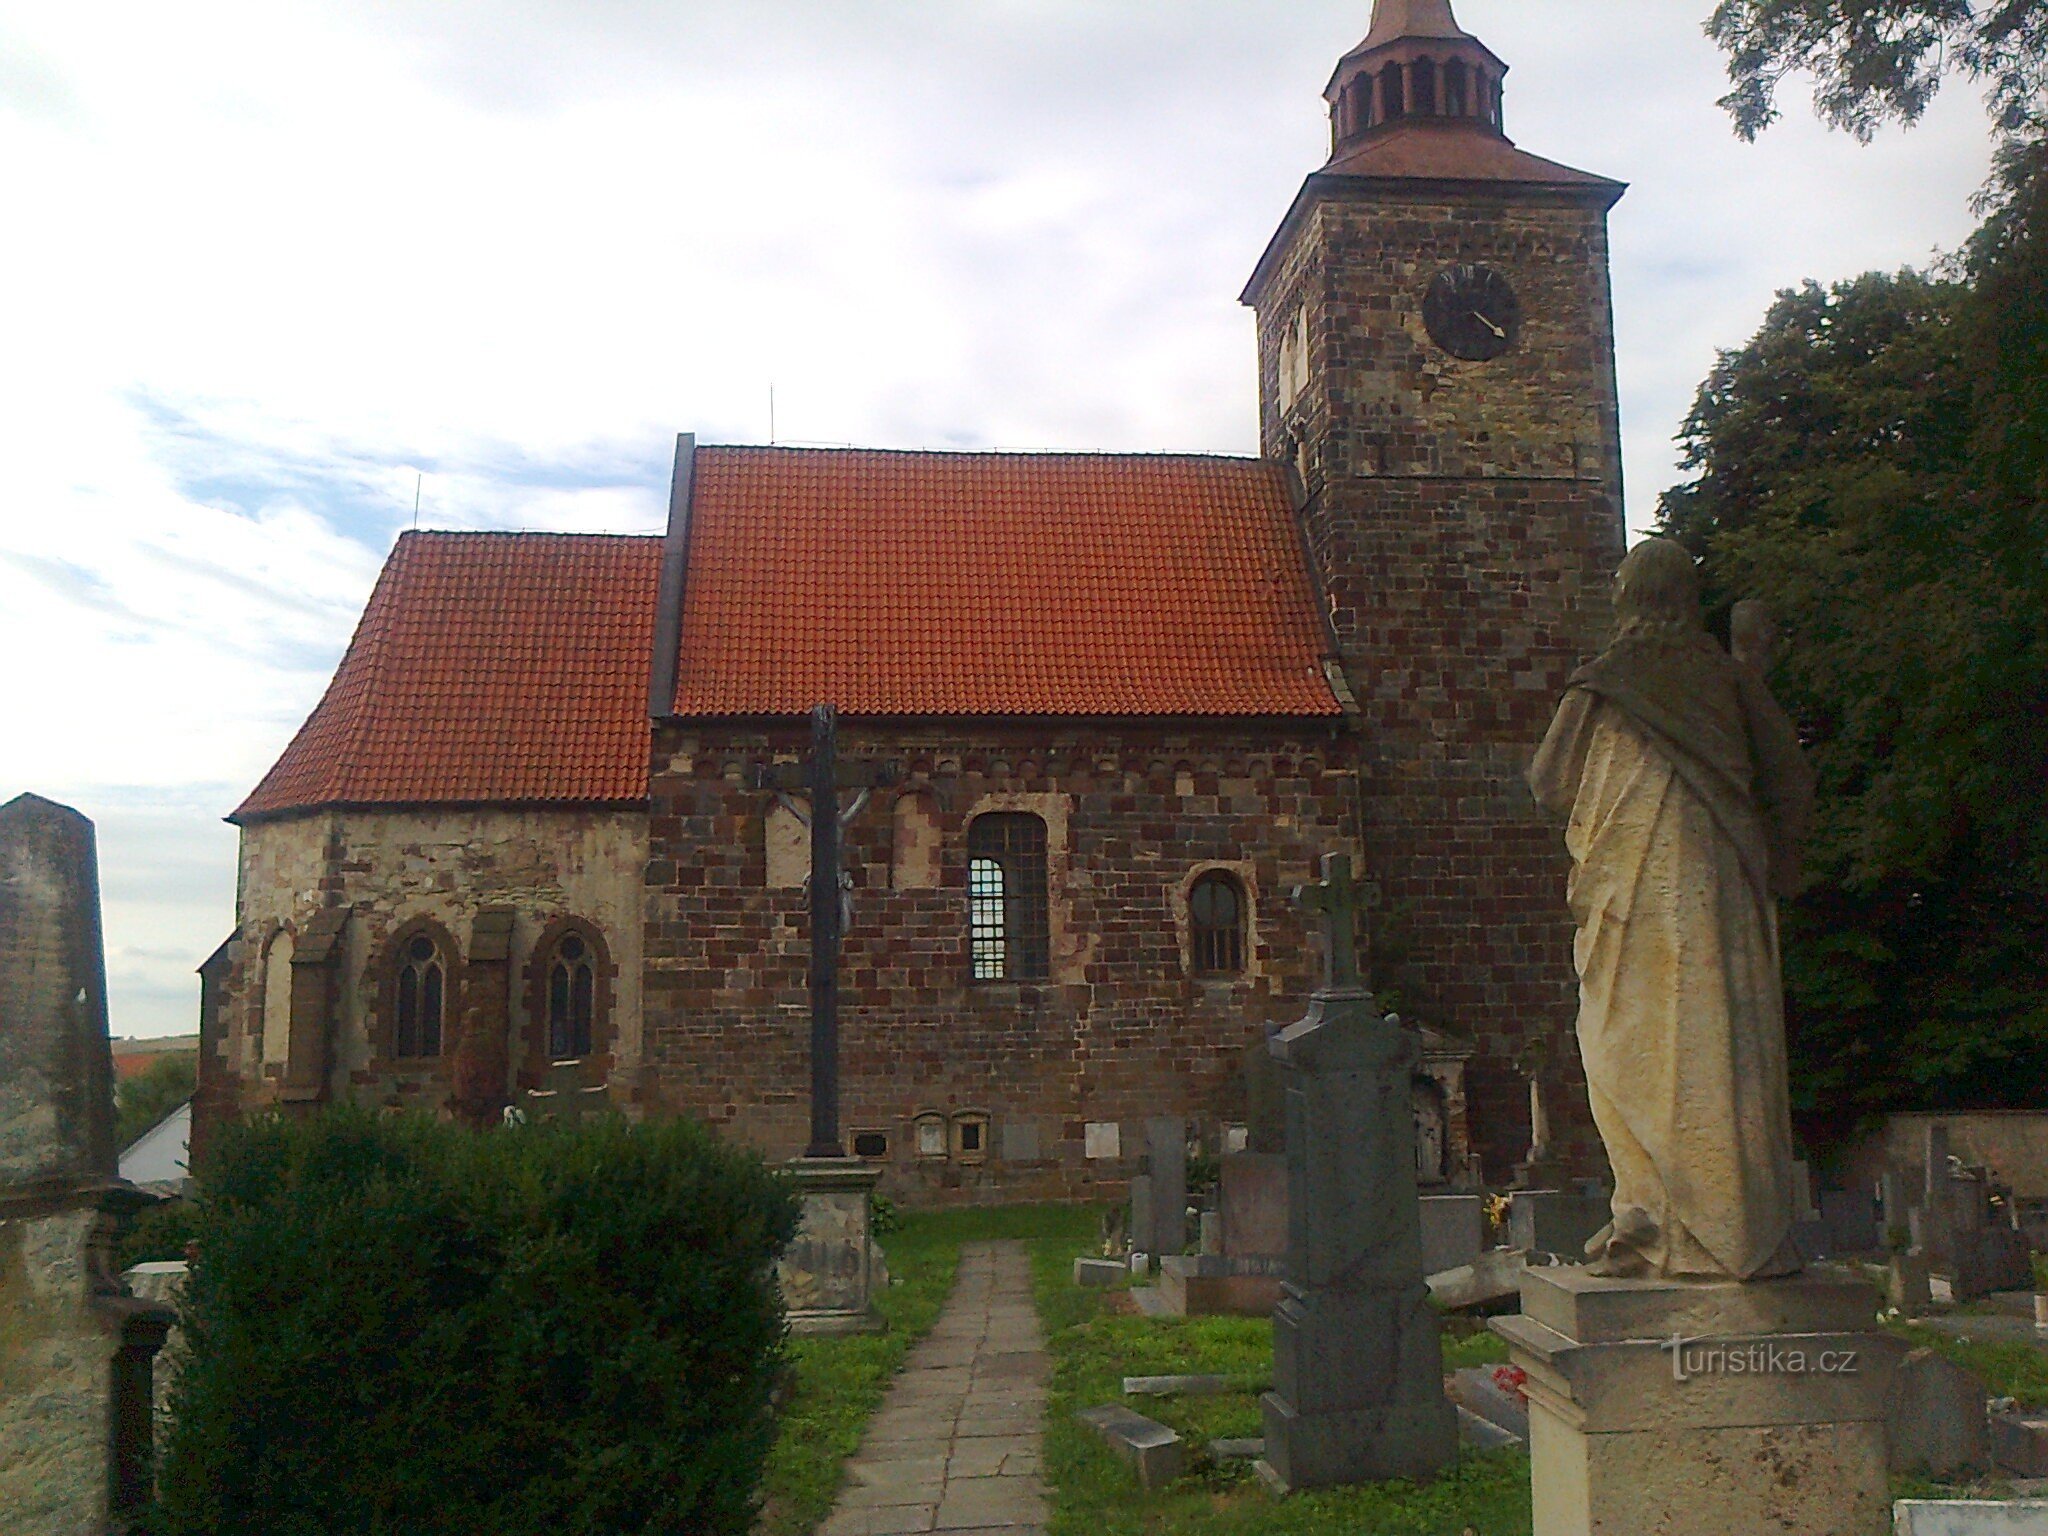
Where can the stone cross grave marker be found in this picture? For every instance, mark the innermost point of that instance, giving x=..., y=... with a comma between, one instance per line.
x=1358, y=1389
x=1336, y=899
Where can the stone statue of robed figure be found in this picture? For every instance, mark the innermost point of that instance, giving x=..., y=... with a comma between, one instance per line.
x=1686, y=798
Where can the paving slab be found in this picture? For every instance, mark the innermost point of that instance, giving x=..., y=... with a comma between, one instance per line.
x=956, y=1446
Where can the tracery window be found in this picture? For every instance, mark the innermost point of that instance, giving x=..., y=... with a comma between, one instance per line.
x=1008, y=910
x=572, y=998
x=421, y=998
x=1216, y=924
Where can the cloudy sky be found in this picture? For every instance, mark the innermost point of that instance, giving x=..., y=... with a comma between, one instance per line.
x=273, y=268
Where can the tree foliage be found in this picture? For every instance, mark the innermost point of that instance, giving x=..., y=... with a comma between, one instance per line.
x=1875, y=462
x=396, y=1325
x=1872, y=464
x=1877, y=61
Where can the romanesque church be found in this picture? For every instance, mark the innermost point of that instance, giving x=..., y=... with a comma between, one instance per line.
x=1131, y=700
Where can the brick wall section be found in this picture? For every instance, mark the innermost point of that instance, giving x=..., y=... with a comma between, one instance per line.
x=1465, y=520
x=1118, y=1032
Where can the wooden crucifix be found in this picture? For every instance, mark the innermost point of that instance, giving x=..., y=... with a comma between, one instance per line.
x=820, y=779
x=1336, y=898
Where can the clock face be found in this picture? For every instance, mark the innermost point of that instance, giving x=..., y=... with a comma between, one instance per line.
x=1472, y=312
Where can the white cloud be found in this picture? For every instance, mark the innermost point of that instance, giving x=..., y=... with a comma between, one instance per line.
x=274, y=266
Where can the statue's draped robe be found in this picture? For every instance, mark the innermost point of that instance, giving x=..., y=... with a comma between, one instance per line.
x=1685, y=797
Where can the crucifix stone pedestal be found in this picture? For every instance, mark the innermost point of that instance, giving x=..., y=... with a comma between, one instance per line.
x=826, y=1272
x=1358, y=1389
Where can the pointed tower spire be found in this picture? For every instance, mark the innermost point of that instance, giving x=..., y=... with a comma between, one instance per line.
x=1416, y=66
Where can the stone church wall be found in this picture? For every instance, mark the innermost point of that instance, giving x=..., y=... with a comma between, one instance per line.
x=398, y=870
x=1119, y=1030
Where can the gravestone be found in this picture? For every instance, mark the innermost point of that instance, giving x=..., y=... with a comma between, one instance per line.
x=1166, y=1155
x=1936, y=1423
x=1453, y=1231
x=1265, y=1112
x=1358, y=1390
x=76, y=1351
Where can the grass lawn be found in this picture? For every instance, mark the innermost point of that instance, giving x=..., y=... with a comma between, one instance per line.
x=839, y=1383
x=1094, y=1494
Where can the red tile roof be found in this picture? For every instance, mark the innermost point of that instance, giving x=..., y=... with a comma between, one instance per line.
x=488, y=667
x=513, y=667
x=1435, y=150
x=995, y=584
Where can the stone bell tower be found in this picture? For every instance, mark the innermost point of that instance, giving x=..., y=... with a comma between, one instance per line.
x=1436, y=359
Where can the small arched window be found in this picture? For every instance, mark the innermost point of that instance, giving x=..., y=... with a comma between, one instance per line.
x=1424, y=72
x=1393, y=99
x=1216, y=913
x=1457, y=89
x=422, y=999
x=572, y=998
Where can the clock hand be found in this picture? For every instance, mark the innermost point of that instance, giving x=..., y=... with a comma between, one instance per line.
x=1497, y=331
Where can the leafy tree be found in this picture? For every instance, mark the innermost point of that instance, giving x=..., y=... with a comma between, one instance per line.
x=1863, y=465
x=1875, y=462
x=1875, y=61
x=152, y=1093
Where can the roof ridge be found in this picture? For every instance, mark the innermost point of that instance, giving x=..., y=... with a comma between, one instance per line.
x=1152, y=455
x=513, y=533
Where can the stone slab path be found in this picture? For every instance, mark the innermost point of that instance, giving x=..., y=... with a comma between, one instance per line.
x=955, y=1444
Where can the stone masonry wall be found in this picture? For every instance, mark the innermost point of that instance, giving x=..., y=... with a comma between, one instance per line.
x=1119, y=1031
x=1465, y=521
x=398, y=868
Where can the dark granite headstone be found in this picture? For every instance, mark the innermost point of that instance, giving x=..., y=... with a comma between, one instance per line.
x=1166, y=1153
x=1358, y=1388
x=1358, y=1392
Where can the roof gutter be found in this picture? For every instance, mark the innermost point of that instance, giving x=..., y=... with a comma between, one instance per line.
x=675, y=570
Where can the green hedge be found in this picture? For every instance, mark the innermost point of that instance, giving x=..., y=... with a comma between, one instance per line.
x=398, y=1325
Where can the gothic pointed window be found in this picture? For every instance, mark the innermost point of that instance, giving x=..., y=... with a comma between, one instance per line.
x=421, y=999
x=1008, y=911
x=1216, y=924
x=1393, y=99
x=572, y=999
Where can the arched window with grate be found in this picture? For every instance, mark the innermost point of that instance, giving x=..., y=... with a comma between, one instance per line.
x=420, y=998
x=572, y=998
x=1009, y=918
x=1216, y=924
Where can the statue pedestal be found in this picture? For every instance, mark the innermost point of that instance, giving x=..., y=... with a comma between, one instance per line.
x=1704, y=1408
x=827, y=1272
